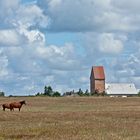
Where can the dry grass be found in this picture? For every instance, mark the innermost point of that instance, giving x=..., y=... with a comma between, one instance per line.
x=72, y=118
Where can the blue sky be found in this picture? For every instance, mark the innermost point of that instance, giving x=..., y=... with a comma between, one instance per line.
x=56, y=42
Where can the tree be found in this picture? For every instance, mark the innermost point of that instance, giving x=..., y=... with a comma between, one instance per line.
x=56, y=94
x=95, y=93
x=45, y=90
x=38, y=94
x=87, y=93
x=80, y=92
x=103, y=93
x=48, y=90
x=139, y=93
x=2, y=93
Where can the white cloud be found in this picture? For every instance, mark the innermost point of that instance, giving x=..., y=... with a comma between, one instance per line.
x=59, y=57
x=66, y=15
x=7, y=7
x=31, y=35
x=42, y=65
x=131, y=6
x=107, y=37
x=31, y=16
x=8, y=10
x=103, y=44
x=11, y=38
x=95, y=15
x=3, y=65
x=54, y=3
x=108, y=44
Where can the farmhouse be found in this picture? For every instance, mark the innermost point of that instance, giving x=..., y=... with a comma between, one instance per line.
x=97, y=84
x=120, y=89
x=97, y=79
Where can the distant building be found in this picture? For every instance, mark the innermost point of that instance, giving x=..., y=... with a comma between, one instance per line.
x=97, y=79
x=121, y=89
x=70, y=93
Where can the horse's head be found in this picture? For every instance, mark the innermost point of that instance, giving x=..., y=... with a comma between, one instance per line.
x=23, y=102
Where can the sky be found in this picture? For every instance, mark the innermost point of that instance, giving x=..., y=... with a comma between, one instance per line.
x=56, y=42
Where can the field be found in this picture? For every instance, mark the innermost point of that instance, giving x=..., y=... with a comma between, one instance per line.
x=72, y=118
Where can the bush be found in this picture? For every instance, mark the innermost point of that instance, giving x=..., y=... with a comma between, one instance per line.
x=56, y=94
x=139, y=93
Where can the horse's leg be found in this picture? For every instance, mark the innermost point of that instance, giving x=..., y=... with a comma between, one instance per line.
x=3, y=107
x=11, y=108
x=19, y=108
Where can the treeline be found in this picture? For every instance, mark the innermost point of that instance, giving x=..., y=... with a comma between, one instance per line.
x=48, y=91
x=80, y=92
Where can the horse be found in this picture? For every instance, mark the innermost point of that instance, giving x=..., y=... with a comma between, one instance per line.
x=17, y=105
x=6, y=106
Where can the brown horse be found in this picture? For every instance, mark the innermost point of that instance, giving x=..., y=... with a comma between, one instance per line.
x=6, y=106
x=17, y=105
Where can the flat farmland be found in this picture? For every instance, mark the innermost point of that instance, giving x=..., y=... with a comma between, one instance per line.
x=71, y=118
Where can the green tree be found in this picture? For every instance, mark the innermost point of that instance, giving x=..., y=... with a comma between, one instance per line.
x=2, y=93
x=80, y=92
x=45, y=90
x=38, y=94
x=139, y=93
x=56, y=94
x=48, y=90
x=87, y=93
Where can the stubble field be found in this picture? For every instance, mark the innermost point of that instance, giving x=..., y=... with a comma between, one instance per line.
x=72, y=118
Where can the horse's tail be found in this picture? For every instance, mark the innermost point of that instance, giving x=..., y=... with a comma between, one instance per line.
x=3, y=106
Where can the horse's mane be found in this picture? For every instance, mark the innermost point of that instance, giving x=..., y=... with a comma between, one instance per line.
x=22, y=101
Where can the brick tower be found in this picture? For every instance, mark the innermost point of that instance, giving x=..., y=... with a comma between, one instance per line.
x=97, y=79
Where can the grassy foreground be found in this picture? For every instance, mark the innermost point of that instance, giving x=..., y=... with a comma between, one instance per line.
x=72, y=118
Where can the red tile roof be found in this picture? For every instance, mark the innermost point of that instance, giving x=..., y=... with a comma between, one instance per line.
x=98, y=72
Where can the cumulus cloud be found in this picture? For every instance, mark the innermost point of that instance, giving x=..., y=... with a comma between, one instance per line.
x=41, y=65
x=3, y=65
x=108, y=44
x=106, y=33
x=10, y=37
x=131, y=6
x=31, y=16
x=103, y=44
x=90, y=15
x=62, y=57
x=7, y=12
x=65, y=15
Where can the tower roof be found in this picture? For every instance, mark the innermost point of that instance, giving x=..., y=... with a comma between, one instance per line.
x=98, y=72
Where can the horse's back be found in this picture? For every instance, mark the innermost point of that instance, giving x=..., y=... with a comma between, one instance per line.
x=15, y=104
x=6, y=105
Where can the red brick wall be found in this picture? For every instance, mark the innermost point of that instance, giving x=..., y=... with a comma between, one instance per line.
x=100, y=85
x=97, y=84
x=92, y=85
